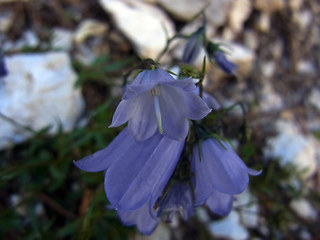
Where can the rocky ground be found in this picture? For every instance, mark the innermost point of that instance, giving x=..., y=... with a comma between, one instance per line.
x=52, y=46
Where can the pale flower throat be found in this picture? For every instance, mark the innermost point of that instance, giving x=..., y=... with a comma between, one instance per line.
x=155, y=92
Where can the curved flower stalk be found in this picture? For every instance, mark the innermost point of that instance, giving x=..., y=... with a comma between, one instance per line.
x=135, y=171
x=155, y=100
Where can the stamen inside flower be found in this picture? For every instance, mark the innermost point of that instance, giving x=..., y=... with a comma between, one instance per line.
x=155, y=92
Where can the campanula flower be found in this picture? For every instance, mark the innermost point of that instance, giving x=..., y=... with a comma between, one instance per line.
x=136, y=171
x=155, y=100
x=218, y=170
x=193, y=46
x=3, y=68
x=223, y=63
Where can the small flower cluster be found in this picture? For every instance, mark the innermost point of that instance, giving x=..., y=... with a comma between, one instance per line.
x=166, y=160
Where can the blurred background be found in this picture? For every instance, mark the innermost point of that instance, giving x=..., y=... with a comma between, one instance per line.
x=66, y=60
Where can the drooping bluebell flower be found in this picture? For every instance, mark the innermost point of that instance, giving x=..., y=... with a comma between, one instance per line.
x=223, y=63
x=193, y=46
x=218, y=55
x=218, y=170
x=136, y=171
x=3, y=68
x=155, y=100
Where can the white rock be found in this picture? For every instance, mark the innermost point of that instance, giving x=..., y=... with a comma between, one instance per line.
x=162, y=232
x=229, y=228
x=216, y=10
x=304, y=209
x=269, y=5
x=251, y=39
x=240, y=11
x=303, y=19
x=295, y=4
x=145, y=25
x=314, y=98
x=62, y=39
x=89, y=28
x=6, y=19
x=306, y=67
x=38, y=92
x=290, y=146
x=249, y=209
x=268, y=69
x=263, y=22
x=270, y=100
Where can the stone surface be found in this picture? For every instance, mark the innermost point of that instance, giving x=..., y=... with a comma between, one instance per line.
x=304, y=209
x=290, y=146
x=62, y=39
x=162, y=232
x=269, y=5
x=6, y=20
x=249, y=209
x=145, y=25
x=89, y=28
x=314, y=98
x=270, y=100
x=229, y=228
x=263, y=23
x=216, y=10
x=28, y=39
x=240, y=11
x=38, y=92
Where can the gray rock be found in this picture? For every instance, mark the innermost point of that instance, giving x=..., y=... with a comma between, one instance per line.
x=38, y=92
x=145, y=25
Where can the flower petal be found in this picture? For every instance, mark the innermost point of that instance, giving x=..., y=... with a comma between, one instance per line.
x=146, y=80
x=178, y=199
x=224, y=170
x=184, y=84
x=220, y=203
x=139, y=217
x=101, y=160
x=132, y=180
x=143, y=121
x=122, y=113
x=176, y=106
x=174, y=122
